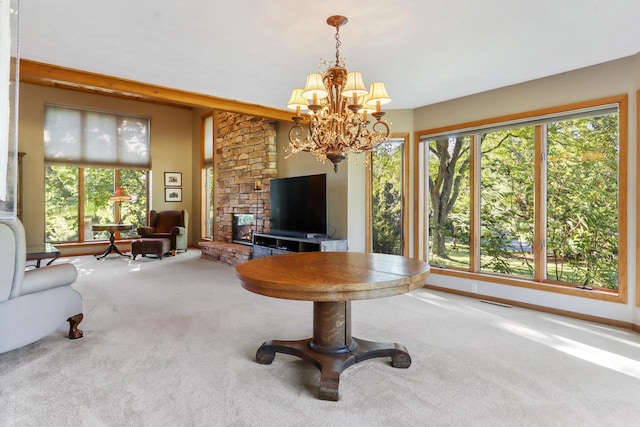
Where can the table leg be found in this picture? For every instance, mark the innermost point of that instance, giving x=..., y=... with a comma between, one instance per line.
x=55, y=257
x=332, y=349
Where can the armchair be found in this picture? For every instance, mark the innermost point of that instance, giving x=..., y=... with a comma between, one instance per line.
x=172, y=225
x=37, y=302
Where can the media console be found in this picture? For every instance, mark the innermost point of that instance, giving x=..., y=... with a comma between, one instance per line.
x=269, y=244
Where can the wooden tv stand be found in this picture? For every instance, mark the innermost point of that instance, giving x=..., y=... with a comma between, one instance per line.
x=269, y=244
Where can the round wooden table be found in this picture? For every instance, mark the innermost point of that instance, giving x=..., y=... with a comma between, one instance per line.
x=332, y=280
x=111, y=228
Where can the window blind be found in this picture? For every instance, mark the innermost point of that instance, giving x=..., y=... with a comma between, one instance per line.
x=88, y=138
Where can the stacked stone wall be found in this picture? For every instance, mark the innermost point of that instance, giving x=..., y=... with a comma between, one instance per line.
x=245, y=155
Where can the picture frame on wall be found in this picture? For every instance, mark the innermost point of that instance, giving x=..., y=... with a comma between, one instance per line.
x=173, y=179
x=173, y=194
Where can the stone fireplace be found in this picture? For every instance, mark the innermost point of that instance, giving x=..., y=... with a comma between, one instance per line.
x=245, y=158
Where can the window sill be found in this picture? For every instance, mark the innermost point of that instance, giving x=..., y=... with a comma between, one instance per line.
x=566, y=289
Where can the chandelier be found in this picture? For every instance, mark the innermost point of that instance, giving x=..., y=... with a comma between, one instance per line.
x=340, y=107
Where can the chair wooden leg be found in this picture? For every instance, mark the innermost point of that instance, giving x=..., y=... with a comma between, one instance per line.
x=74, y=332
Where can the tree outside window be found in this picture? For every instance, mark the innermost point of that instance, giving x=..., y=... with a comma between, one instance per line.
x=387, y=199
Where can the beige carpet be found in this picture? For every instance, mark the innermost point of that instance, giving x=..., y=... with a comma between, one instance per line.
x=172, y=343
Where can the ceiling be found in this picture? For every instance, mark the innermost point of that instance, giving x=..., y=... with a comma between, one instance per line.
x=256, y=51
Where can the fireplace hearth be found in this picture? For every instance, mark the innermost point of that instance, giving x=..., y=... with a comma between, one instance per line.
x=242, y=228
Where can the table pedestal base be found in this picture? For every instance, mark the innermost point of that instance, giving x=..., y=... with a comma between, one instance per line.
x=332, y=349
x=331, y=365
x=111, y=248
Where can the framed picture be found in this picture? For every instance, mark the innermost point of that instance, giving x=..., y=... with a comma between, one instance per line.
x=173, y=194
x=173, y=179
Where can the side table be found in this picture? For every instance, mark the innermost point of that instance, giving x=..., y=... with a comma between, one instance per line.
x=42, y=251
x=111, y=228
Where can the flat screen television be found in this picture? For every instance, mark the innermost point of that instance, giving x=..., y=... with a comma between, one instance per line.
x=299, y=205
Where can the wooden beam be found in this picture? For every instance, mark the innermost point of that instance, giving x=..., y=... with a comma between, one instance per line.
x=68, y=78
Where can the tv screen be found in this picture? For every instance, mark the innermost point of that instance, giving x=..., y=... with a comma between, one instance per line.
x=299, y=205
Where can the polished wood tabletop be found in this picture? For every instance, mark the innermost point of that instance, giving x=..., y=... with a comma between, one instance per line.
x=332, y=276
x=112, y=228
x=332, y=280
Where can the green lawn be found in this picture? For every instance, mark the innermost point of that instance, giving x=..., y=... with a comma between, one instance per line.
x=458, y=257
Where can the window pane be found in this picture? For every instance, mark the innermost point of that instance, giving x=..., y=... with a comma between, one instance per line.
x=386, y=198
x=61, y=204
x=582, y=208
x=449, y=198
x=98, y=209
x=209, y=202
x=506, y=201
x=134, y=211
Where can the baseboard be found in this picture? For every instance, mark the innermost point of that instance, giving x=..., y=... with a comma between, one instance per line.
x=567, y=313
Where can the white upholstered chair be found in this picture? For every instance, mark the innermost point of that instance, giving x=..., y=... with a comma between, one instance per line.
x=37, y=302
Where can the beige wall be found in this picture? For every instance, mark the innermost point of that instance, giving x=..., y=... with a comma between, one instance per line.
x=306, y=164
x=604, y=80
x=171, y=147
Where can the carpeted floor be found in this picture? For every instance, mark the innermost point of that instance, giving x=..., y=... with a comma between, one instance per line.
x=172, y=343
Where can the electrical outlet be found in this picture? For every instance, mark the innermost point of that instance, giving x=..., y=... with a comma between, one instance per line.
x=474, y=288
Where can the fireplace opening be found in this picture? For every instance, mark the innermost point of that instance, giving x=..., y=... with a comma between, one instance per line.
x=242, y=228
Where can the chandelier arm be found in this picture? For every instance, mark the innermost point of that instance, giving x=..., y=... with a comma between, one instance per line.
x=385, y=126
x=294, y=136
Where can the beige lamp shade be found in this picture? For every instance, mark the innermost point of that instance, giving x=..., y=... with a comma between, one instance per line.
x=315, y=87
x=297, y=101
x=354, y=85
x=366, y=107
x=120, y=195
x=378, y=94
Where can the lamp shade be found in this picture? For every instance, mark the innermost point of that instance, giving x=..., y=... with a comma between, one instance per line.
x=315, y=86
x=378, y=94
x=354, y=85
x=297, y=100
x=120, y=195
x=366, y=107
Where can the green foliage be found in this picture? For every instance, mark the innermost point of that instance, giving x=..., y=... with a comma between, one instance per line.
x=582, y=205
x=386, y=198
x=62, y=210
x=449, y=193
x=61, y=204
x=507, y=198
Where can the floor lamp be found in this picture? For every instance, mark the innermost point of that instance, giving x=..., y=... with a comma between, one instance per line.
x=119, y=196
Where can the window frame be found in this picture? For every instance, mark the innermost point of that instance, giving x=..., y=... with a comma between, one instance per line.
x=538, y=282
x=405, y=197
x=80, y=182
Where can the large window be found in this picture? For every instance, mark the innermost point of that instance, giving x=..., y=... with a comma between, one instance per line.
x=207, y=177
x=386, y=204
x=540, y=198
x=89, y=154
